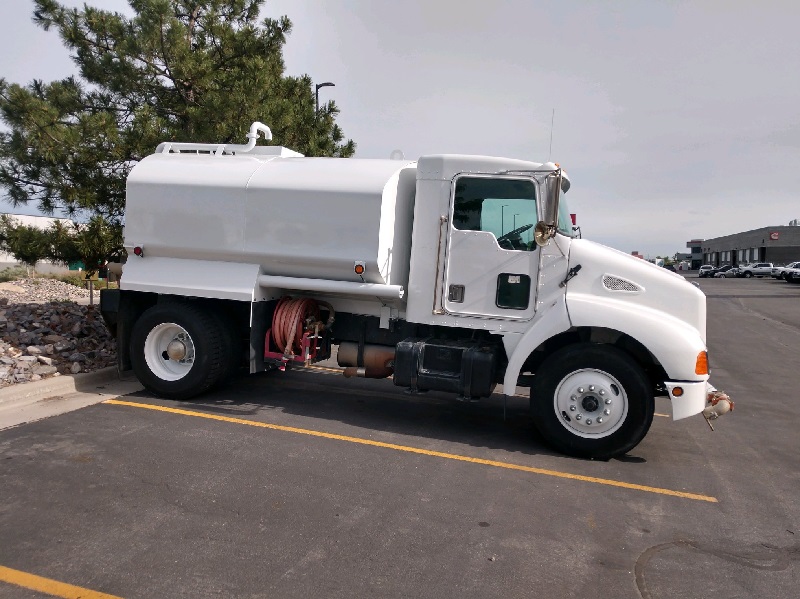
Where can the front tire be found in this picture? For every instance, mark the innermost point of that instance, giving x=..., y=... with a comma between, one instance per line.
x=178, y=350
x=592, y=401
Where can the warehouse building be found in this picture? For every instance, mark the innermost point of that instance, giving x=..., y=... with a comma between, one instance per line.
x=779, y=245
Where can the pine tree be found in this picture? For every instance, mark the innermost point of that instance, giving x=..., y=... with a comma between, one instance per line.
x=177, y=70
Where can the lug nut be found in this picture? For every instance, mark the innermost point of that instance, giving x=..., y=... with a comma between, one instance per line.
x=608, y=401
x=606, y=412
x=578, y=417
x=591, y=387
x=600, y=420
x=572, y=408
x=588, y=421
x=602, y=392
x=580, y=389
x=574, y=398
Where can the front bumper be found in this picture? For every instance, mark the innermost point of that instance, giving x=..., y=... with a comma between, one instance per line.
x=688, y=398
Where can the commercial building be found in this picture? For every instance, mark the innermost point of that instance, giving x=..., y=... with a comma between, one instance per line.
x=779, y=245
x=696, y=253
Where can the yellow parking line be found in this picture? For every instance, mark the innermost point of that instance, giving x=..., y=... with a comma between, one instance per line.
x=326, y=369
x=48, y=586
x=406, y=448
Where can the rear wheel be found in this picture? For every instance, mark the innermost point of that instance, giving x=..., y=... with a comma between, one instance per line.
x=592, y=401
x=179, y=350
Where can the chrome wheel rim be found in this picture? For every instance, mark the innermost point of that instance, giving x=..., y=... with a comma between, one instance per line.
x=169, y=351
x=591, y=403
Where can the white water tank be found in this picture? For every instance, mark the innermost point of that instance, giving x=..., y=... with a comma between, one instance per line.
x=293, y=216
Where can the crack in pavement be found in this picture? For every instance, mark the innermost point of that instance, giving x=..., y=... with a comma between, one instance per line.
x=776, y=559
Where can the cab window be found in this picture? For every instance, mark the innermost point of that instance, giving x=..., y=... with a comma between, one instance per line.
x=505, y=207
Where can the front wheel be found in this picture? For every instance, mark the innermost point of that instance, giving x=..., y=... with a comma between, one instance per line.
x=179, y=350
x=747, y=275
x=592, y=401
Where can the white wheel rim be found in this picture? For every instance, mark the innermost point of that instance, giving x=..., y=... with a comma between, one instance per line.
x=155, y=351
x=590, y=403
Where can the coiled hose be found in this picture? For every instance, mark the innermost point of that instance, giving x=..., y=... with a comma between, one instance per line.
x=293, y=317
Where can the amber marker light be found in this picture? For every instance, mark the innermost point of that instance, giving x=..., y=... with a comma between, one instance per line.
x=359, y=268
x=677, y=391
x=701, y=365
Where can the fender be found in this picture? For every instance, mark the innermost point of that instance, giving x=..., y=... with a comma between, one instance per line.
x=195, y=278
x=674, y=343
x=547, y=323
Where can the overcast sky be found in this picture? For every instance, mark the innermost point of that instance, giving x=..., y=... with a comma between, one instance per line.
x=675, y=120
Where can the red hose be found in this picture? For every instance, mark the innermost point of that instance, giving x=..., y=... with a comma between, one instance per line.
x=288, y=322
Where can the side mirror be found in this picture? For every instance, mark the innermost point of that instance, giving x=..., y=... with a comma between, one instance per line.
x=542, y=233
x=546, y=228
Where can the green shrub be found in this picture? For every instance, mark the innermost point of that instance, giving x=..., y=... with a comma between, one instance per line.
x=13, y=273
x=73, y=278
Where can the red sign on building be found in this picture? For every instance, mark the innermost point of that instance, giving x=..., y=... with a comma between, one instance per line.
x=774, y=235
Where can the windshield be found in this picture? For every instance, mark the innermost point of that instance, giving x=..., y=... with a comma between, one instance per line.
x=564, y=218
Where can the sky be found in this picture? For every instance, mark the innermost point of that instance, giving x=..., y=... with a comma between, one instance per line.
x=674, y=120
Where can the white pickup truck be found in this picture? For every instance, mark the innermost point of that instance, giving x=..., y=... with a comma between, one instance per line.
x=758, y=269
x=447, y=273
x=779, y=272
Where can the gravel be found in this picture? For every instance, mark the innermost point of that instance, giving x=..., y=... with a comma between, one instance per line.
x=44, y=332
x=40, y=290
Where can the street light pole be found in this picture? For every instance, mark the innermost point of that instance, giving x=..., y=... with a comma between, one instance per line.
x=503, y=219
x=316, y=93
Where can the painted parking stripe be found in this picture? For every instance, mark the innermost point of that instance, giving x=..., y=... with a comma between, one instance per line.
x=48, y=586
x=417, y=450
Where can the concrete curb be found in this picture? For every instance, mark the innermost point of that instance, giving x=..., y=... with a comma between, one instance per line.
x=59, y=385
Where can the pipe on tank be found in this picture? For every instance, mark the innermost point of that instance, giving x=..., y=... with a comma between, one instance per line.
x=219, y=149
x=378, y=360
x=328, y=286
x=252, y=135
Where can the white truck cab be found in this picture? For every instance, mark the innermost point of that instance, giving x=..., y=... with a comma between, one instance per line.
x=450, y=273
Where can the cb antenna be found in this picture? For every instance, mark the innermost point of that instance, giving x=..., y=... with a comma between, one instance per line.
x=552, y=119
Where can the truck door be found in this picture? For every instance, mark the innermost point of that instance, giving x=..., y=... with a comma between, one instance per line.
x=492, y=260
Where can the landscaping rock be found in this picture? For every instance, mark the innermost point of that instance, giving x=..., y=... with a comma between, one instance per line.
x=43, y=336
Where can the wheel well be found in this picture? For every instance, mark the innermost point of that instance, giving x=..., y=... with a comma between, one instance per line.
x=133, y=304
x=598, y=335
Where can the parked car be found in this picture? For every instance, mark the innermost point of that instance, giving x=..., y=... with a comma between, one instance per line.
x=669, y=267
x=724, y=272
x=778, y=272
x=759, y=269
x=705, y=271
x=792, y=275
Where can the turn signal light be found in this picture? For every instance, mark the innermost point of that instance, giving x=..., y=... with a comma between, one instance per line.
x=701, y=365
x=677, y=391
x=359, y=268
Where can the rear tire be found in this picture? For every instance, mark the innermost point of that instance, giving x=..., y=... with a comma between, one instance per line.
x=179, y=350
x=592, y=401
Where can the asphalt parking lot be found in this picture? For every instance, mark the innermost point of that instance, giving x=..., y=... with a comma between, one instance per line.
x=305, y=484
